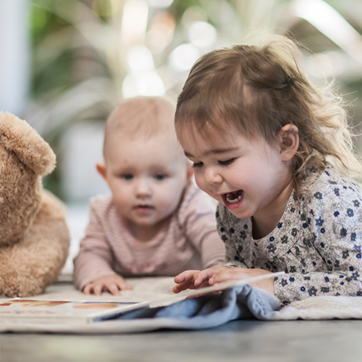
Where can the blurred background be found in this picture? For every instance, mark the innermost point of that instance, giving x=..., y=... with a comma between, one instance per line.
x=64, y=64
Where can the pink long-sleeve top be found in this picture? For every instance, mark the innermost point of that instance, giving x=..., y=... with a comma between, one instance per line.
x=189, y=241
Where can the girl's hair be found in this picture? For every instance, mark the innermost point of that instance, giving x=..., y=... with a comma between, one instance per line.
x=258, y=89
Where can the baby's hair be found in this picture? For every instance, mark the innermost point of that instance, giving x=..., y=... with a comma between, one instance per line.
x=140, y=116
x=258, y=89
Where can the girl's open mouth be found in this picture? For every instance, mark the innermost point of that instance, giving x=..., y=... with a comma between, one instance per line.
x=233, y=198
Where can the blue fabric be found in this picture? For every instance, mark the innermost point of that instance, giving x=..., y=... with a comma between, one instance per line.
x=242, y=302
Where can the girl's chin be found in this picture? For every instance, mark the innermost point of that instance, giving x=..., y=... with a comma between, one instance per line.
x=240, y=210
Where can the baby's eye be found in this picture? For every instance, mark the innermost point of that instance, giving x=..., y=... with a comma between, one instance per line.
x=197, y=164
x=160, y=176
x=227, y=162
x=127, y=176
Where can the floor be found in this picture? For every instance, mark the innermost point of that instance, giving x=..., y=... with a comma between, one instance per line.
x=249, y=341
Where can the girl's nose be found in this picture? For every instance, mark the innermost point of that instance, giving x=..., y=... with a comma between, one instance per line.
x=143, y=188
x=212, y=177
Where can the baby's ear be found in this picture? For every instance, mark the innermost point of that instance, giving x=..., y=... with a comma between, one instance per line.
x=101, y=168
x=288, y=138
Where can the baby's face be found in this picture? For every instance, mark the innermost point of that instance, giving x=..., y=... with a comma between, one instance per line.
x=146, y=177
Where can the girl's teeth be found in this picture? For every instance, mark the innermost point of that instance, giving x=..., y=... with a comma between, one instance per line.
x=233, y=200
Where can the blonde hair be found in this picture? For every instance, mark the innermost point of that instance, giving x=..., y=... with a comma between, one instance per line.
x=140, y=116
x=258, y=89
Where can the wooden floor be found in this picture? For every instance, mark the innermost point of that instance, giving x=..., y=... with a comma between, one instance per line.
x=249, y=341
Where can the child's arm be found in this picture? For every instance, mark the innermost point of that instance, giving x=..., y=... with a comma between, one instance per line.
x=198, y=220
x=202, y=233
x=327, y=260
x=334, y=267
x=95, y=257
x=228, y=270
x=92, y=262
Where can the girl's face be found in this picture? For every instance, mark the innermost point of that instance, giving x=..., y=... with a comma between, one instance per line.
x=251, y=177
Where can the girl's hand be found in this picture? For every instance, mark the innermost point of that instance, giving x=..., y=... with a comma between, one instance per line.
x=112, y=283
x=193, y=279
x=229, y=274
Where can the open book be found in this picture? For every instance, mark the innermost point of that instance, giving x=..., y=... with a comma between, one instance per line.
x=35, y=311
x=192, y=293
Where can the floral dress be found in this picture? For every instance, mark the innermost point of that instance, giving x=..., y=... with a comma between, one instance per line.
x=317, y=242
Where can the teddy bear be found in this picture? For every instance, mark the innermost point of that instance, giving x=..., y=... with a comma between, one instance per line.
x=34, y=237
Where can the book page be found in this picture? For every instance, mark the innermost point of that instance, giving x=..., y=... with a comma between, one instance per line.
x=189, y=293
x=60, y=311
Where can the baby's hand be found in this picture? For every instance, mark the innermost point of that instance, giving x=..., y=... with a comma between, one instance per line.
x=194, y=278
x=112, y=283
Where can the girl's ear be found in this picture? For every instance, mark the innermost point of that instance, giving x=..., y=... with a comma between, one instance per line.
x=101, y=168
x=288, y=138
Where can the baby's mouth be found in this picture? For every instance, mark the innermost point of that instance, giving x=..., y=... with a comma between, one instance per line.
x=233, y=197
x=144, y=206
x=144, y=209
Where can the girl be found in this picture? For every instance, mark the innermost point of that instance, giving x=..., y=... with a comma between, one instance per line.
x=276, y=153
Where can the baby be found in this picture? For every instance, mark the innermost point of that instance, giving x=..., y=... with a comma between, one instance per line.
x=156, y=222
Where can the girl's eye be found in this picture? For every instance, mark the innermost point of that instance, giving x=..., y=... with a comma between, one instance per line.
x=127, y=176
x=227, y=162
x=197, y=164
x=160, y=177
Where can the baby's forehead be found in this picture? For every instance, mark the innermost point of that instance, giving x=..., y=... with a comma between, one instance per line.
x=161, y=147
x=141, y=115
x=164, y=136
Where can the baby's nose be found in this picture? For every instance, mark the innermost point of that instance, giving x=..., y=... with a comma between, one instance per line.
x=143, y=188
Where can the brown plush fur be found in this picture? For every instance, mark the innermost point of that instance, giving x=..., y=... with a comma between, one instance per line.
x=34, y=238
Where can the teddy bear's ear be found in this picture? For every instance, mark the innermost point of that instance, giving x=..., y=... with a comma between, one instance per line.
x=18, y=136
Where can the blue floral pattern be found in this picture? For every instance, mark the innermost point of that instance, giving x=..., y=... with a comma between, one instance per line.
x=317, y=242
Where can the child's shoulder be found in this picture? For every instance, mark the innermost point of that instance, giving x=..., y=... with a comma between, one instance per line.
x=333, y=203
x=101, y=202
x=329, y=187
x=330, y=179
